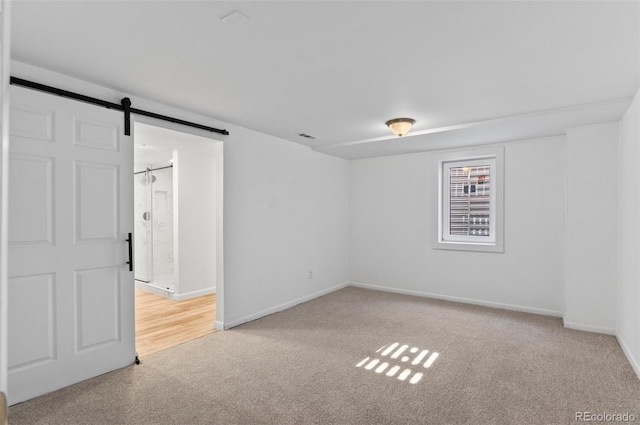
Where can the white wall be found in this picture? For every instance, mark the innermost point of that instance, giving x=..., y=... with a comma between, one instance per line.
x=393, y=212
x=286, y=214
x=4, y=160
x=591, y=238
x=628, y=296
x=194, y=174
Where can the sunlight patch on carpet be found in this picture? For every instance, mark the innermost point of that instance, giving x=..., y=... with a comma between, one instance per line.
x=393, y=353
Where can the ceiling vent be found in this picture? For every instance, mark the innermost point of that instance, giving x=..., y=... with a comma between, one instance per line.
x=306, y=136
x=234, y=18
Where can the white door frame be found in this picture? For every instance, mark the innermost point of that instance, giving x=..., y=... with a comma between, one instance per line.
x=219, y=158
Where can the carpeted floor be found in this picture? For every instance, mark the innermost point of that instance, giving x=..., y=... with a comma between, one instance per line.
x=300, y=367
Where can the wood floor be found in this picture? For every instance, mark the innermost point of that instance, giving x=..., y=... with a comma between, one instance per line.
x=162, y=323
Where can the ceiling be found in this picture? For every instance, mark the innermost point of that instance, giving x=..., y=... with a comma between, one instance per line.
x=467, y=72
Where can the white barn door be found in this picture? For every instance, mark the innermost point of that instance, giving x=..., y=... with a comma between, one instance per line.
x=71, y=296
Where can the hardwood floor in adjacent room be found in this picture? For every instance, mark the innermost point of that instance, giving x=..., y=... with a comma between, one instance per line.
x=162, y=323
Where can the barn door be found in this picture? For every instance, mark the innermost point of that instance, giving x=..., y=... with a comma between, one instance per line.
x=71, y=297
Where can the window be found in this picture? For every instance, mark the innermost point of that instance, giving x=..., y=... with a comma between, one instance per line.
x=470, y=201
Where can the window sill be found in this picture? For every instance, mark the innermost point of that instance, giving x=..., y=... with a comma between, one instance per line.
x=468, y=246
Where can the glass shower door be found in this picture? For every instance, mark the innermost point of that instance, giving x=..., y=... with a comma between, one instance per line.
x=162, y=227
x=143, y=259
x=154, y=238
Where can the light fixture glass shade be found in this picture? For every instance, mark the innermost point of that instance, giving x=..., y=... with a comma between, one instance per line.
x=400, y=126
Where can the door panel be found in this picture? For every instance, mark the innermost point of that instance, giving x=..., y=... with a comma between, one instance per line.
x=97, y=295
x=32, y=123
x=95, y=134
x=36, y=291
x=71, y=207
x=96, y=221
x=31, y=201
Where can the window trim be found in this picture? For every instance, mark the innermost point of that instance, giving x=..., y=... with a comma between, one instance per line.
x=495, y=153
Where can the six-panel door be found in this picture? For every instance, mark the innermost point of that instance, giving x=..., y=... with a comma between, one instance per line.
x=70, y=209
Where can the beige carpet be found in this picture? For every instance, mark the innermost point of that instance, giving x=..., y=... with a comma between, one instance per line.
x=300, y=367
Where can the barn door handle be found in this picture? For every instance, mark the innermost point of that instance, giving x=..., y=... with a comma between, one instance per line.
x=130, y=262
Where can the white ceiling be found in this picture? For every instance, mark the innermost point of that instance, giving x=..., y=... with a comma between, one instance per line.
x=468, y=72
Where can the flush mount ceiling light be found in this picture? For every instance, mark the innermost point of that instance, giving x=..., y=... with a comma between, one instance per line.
x=400, y=126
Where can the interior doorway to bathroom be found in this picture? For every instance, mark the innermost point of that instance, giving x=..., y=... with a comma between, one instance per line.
x=177, y=180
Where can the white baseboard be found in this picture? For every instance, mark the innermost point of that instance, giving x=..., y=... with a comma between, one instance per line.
x=218, y=325
x=513, y=307
x=588, y=328
x=192, y=294
x=154, y=289
x=275, y=309
x=635, y=364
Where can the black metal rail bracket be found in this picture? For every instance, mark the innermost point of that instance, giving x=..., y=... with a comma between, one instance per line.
x=126, y=108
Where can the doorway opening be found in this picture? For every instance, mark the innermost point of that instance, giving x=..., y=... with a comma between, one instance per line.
x=177, y=192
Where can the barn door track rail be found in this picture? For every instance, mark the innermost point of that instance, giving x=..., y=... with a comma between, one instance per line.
x=124, y=106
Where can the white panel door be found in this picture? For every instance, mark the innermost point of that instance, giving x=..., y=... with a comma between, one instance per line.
x=71, y=298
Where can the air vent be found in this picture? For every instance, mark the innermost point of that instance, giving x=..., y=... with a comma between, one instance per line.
x=306, y=136
x=234, y=19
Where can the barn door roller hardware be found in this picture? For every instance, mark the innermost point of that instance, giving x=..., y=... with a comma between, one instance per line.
x=124, y=106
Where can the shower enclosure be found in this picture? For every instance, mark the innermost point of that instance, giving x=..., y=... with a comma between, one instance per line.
x=154, y=262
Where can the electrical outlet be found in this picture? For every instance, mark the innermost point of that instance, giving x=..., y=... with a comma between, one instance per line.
x=310, y=274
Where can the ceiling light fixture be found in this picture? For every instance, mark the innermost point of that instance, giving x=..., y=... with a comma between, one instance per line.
x=400, y=126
